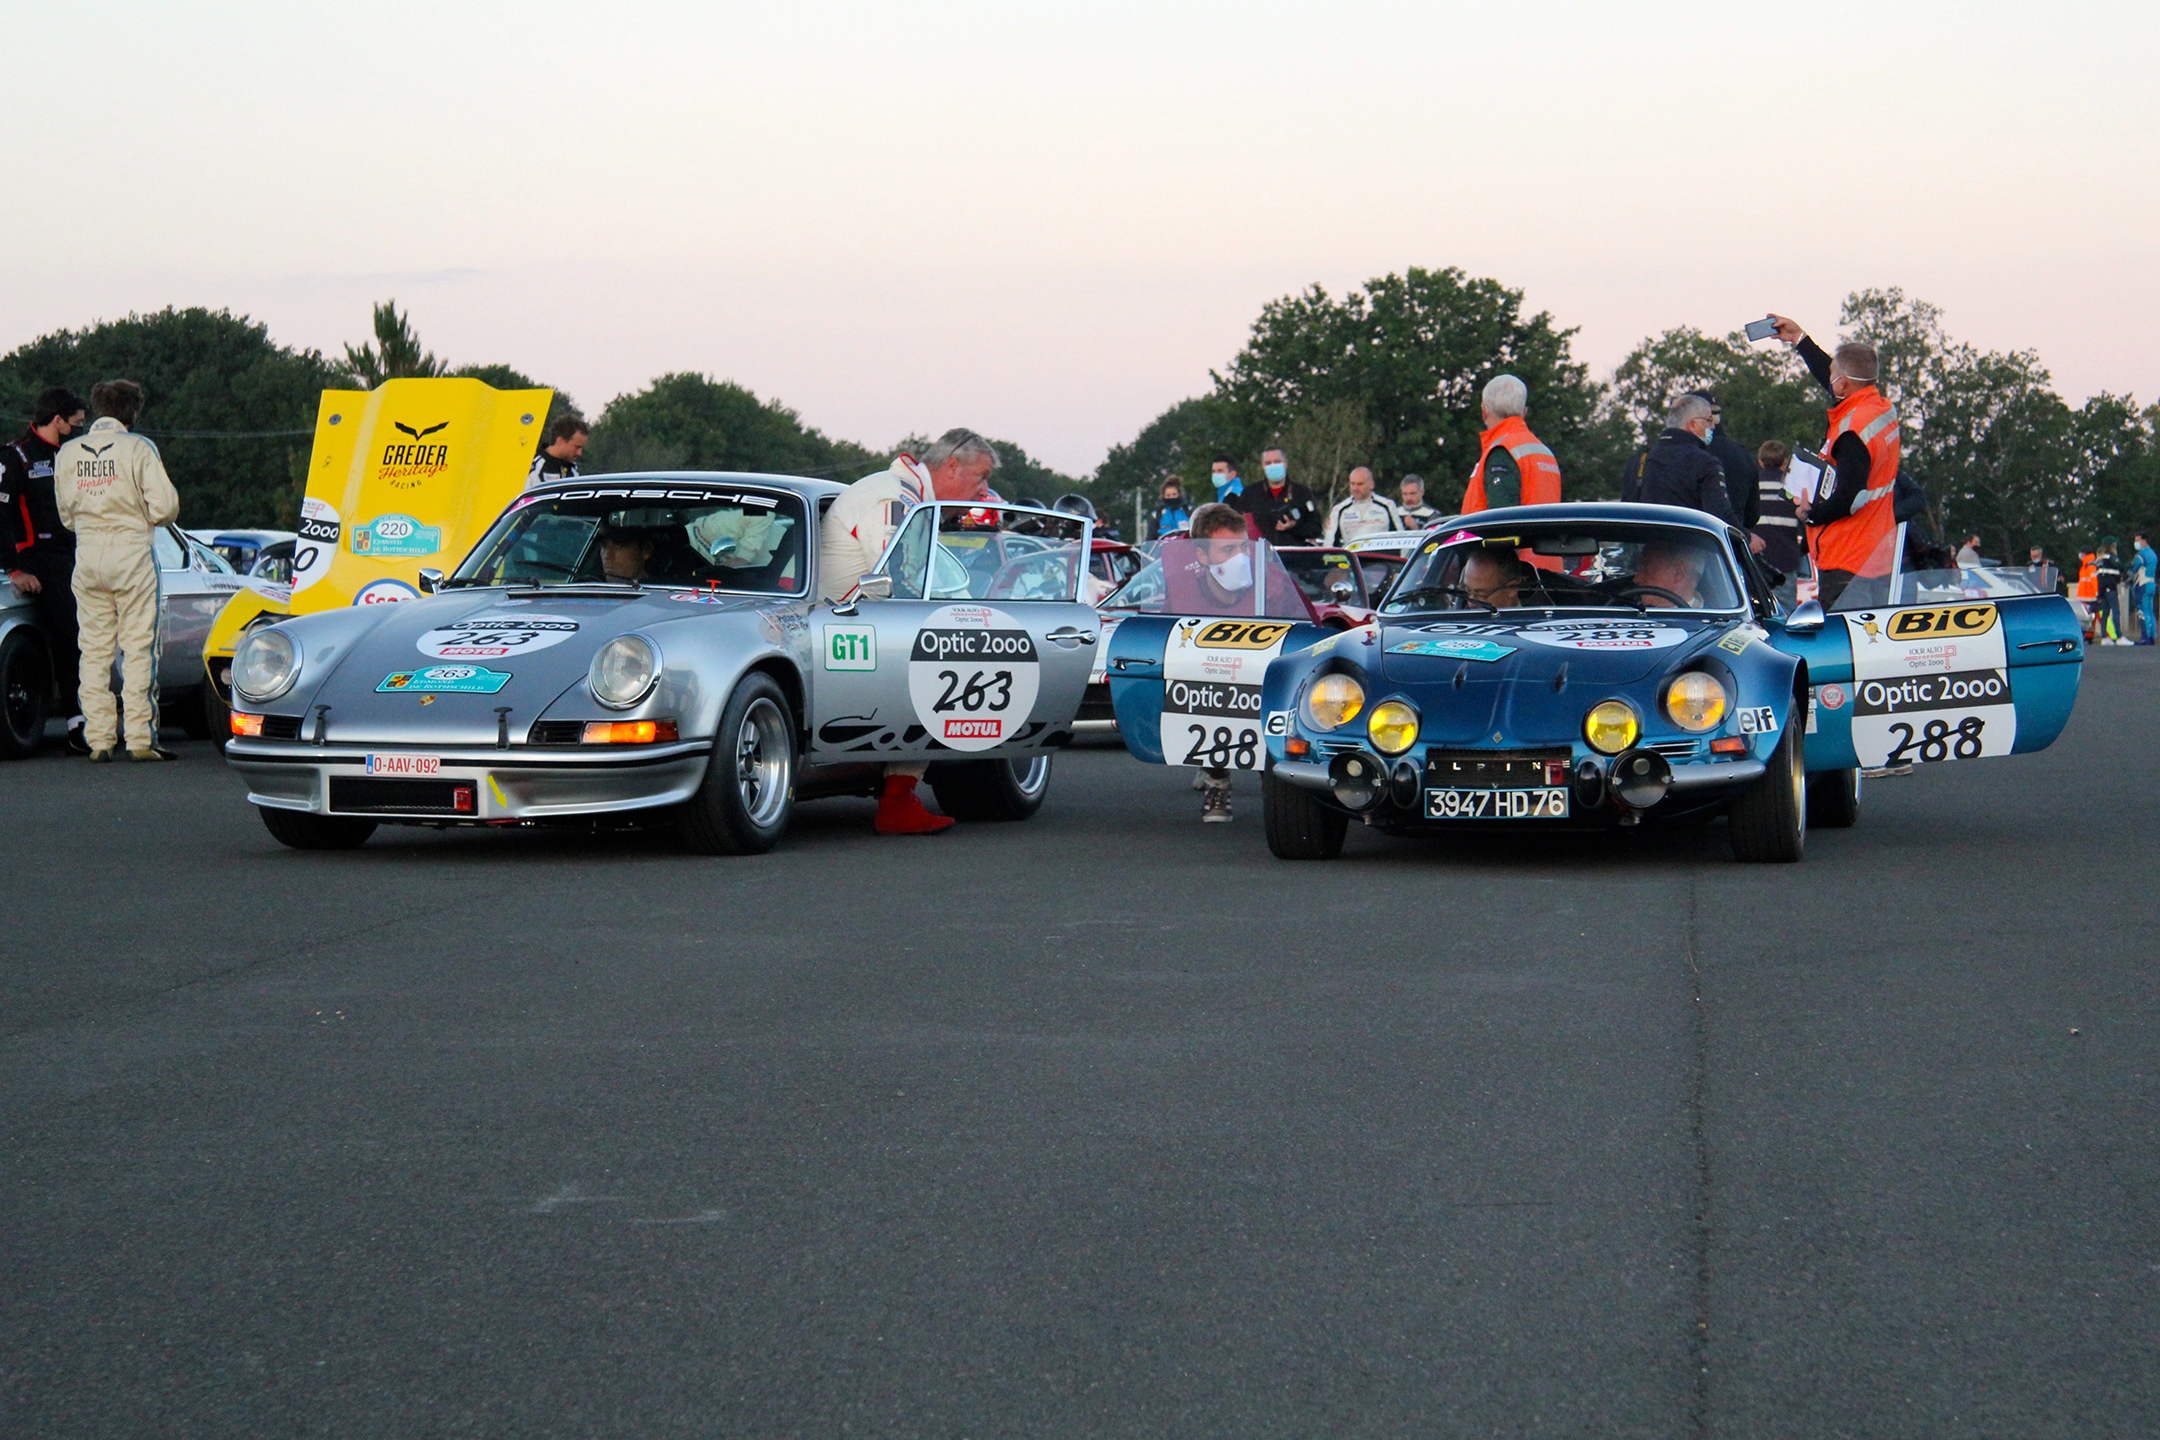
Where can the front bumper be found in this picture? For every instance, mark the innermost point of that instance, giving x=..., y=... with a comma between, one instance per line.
x=1694, y=782
x=508, y=785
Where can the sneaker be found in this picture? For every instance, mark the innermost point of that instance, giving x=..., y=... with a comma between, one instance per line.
x=75, y=741
x=1215, y=803
x=151, y=754
x=101, y=757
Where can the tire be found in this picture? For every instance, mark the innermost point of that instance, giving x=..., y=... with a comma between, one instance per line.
x=25, y=685
x=1833, y=799
x=205, y=716
x=1769, y=820
x=303, y=830
x=1300, y=826
x=748, y=796
x=990, y=789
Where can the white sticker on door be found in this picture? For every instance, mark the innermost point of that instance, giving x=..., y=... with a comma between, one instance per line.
x=1930, y=685
x=1212, y=671
x=973, y=673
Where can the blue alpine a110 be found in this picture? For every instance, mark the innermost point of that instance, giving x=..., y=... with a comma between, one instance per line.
x=1596, y=664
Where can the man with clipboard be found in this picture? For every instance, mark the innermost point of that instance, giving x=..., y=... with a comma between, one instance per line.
x=1851, y=518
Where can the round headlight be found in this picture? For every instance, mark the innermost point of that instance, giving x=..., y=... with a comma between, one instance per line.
x=1333, y=701
x=265, y=664
x=624, y=671
x=1695, y=701
x=1393, y=727
x=1611, y=726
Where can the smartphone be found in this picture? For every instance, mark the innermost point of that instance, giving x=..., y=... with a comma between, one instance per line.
x=1761, y=329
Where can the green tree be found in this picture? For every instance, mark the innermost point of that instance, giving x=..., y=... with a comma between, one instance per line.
x=1765, y=392
x=687, y=421
x=231, y=411
x=395, y=354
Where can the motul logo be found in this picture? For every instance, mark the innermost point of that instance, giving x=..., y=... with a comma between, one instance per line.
x=973, y=729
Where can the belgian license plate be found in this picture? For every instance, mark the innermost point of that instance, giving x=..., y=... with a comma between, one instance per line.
x=404, y=764
x=1512, y=804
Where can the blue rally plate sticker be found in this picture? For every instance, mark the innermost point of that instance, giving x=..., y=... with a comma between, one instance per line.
x=1452, y=649
x=394, y=537
x=446, y=680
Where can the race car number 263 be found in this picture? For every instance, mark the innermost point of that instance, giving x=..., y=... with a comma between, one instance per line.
x=1930, y=685
x=973, y=674
x=493, y=637
x=1211, y=691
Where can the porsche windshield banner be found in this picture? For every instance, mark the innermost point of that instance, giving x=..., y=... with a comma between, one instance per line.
x=403, y=477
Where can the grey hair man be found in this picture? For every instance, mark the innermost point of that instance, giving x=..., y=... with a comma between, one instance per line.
x=1679, y=469
x=1514, y=467
x=954, y=467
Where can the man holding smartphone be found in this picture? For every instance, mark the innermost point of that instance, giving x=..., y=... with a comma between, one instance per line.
x=1851, y=521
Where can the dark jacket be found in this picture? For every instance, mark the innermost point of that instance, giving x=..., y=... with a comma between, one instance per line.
x=1680, y=470
x=1777, y=521
x=1742, y=475
x=29, y=517
x=1268, y=507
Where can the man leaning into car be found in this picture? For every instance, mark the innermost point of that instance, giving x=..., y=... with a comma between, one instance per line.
x=857, y=527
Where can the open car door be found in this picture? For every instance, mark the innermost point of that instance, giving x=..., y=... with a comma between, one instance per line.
x=1922, y=667
x=968, y=640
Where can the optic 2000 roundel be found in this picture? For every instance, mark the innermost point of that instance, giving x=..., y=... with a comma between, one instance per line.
x=493, y=637
x=973, y=672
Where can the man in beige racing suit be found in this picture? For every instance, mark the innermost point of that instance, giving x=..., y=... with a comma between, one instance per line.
x=857, y=528
x=111, y=489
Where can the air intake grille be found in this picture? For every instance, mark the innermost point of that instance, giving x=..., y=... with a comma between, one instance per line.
x=556, y=732
x=281, y=727
x=1676, y=749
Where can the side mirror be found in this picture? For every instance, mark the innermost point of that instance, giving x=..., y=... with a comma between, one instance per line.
x=1343, y=591
x=874, y=587
x=430, y=581
x=1806, y=618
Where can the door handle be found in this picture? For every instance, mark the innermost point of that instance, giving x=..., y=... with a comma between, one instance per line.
x=2062, y=647
x=1121, y=662
x=1069, y=636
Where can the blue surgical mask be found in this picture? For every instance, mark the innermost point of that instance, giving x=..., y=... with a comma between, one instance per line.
x=1222, y=480
x=1276, y=472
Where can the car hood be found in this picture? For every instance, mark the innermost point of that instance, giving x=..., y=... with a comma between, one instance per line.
x=450, y=662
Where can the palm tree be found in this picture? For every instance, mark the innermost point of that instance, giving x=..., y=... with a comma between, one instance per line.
x=396, y=353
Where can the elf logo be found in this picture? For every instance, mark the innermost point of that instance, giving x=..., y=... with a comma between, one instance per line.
x=1944, y=620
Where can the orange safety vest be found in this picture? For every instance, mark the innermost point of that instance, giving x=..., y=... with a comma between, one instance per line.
x=1540, y=472
x=2088, y=577
x=1855, y=543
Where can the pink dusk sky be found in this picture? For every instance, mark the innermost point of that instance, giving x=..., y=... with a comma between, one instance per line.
x=1050, y=221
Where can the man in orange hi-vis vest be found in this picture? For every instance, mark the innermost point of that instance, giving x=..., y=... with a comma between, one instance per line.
x=1851, y=523
x=1514, y=467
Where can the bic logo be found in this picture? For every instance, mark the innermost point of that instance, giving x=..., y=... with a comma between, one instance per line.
x=1948, y=620
x=850, y=647
x=1240, y=634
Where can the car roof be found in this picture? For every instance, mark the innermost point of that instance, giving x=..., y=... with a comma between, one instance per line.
x=803, y=485
x=1597, y=510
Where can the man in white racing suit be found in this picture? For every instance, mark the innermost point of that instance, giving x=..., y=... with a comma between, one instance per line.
x=856, y=529
x=1362, y=513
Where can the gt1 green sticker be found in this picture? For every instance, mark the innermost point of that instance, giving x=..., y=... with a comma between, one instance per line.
x=850, y=647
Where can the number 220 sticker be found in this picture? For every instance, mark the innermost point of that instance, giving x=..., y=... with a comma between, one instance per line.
x=973, y=673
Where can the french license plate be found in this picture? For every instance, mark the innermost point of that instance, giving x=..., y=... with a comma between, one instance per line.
x=404, y=764
x=1512, y=804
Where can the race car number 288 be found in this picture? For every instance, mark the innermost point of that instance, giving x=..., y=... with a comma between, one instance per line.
x=1212, y=671
x=1930, y=685
x=973, y=673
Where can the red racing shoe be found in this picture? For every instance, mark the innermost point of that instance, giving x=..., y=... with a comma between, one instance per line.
x=900, y=810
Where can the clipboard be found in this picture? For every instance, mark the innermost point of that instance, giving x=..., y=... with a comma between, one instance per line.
x=1810, y=475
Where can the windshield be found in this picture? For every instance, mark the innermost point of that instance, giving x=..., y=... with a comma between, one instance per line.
x=746, y=540
x=1884, y=581
x=1221, y=575
x=1573, y=565
x=1317, y=572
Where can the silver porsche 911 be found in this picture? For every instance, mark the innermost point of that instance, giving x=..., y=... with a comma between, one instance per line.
x=628, y=648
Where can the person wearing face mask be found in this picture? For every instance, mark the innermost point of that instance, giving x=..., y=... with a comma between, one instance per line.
x=1679, y=469
x=1174, y=517
x=956, y=467
x=1285, y=511
x=1850, y=521
x=1229, y=490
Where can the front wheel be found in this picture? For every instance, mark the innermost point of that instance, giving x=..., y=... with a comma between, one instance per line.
x=1300, y=826
x=304, y=830
x=1833, y=799
x=24, y=685
x=749, y=790
x=991, y=789
x=1769, y=820
x=206, y=716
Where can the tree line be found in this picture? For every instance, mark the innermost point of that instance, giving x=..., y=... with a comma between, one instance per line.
x=1386, y=375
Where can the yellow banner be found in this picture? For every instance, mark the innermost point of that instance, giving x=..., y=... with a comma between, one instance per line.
x=404, y=477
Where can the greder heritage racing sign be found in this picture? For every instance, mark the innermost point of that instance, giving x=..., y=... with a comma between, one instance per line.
x=1930, y=684
x=973, y=674
x=1212, y=671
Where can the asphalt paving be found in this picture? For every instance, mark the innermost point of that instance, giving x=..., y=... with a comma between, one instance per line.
x=1101, y=1124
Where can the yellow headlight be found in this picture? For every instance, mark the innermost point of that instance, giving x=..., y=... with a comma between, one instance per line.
x=1695, y=701
x=1334, y=700
x=1611, y=726
x=1393, y=727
